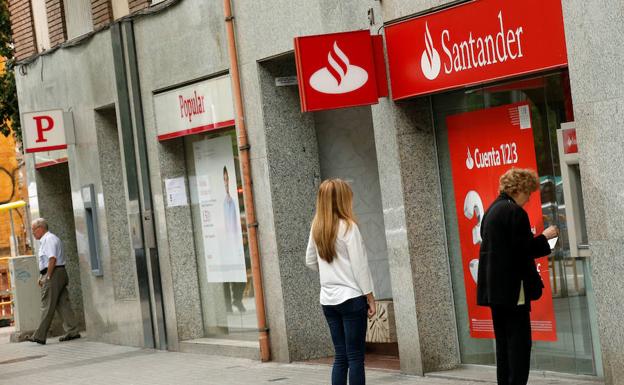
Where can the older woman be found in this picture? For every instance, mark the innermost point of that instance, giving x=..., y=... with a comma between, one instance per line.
x=508, y=280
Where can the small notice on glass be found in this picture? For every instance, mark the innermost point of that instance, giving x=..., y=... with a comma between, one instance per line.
x=525, y=117
x=175, y=189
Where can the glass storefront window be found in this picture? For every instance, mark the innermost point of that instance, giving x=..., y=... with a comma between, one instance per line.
x=572, y=352
x=220, y=233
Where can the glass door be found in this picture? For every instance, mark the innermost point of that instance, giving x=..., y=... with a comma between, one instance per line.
x=220, y=233
x=573, y=350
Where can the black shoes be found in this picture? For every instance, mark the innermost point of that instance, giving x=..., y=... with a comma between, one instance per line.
x=69, y=338
x=62, y=339
x=33, y=339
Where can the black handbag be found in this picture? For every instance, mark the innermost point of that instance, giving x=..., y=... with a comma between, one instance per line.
x=533, y=284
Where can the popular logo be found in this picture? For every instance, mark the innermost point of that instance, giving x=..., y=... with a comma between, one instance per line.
x=340, y=76
x=430, y=59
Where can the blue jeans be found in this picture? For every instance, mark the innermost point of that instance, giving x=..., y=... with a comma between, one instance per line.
x=347, y=325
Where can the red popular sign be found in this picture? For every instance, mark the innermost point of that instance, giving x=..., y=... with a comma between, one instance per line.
x=483, y=145
x=339, y=70
x=474, y=42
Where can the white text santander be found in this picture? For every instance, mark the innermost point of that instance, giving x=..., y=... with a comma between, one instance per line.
x=482, y=51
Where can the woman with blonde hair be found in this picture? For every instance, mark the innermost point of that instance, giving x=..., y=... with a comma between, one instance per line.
x=337, y=251
x=508, y=279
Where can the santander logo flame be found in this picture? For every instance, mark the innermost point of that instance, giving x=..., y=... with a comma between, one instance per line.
x=340, y=76
x=469, y=161
x=430, y=59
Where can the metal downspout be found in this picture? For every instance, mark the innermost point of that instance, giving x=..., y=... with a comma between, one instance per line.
x=243, y=146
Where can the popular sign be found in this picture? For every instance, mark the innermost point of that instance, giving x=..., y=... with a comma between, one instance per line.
x=199, y=107
x=475, y=42
x=483, y=145
x=45, y=131
x=338, y=70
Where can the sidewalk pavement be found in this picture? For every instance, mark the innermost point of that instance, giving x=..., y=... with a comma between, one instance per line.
x=92, y=363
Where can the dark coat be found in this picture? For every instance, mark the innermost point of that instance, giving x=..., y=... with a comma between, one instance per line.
x=507, y=253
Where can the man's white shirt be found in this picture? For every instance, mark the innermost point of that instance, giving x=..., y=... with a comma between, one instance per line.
x=50, y=246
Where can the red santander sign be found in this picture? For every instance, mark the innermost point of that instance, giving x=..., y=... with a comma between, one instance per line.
x=475, y=42
x=570, y=145
x=339, y=70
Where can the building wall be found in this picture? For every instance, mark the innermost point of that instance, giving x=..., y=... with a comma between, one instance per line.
x=102, y=12
x=22, y=28
x=120, y=8
x=595, y=57
x=52, y=86
x=166, y=62
x=187, y=42
x=40, y=21
x=78, y=18
x=281, y=136
x=262, y=34
x=137, y=5
x=290, y=140
x=56, y=21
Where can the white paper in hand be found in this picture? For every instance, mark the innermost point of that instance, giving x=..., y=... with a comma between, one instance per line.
x=552, y=242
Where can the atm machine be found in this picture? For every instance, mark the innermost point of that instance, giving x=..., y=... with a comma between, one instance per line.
x=576, y=265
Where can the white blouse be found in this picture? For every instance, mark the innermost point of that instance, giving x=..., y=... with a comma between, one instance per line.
x=348, y=275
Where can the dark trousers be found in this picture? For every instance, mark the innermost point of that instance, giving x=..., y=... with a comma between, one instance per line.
x=512, y=328
x=233, y=293
x=347, y=325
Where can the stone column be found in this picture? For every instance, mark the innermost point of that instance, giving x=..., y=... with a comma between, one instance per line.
x=595, y=55
x=413, y=214
x=286, y=174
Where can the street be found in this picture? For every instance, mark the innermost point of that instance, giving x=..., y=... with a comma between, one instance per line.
x=85, y=362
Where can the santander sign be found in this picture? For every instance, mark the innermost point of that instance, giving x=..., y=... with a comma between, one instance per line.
x=473, y=43
x=472, y=53
x=339, y=76
x=338, y=70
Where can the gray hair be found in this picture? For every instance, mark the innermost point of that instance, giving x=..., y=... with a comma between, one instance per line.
x=40, y=222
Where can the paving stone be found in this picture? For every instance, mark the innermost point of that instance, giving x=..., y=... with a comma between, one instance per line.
x=93, y=363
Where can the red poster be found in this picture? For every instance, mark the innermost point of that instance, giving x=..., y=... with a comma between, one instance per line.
x=483, y=145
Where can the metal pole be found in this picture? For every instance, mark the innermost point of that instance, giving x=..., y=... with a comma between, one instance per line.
x=243, y=146
x=14, y=245
x=28, y=229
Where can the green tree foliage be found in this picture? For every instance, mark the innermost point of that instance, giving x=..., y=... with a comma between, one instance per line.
x=9, y=112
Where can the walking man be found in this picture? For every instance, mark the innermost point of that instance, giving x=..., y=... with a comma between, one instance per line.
x=53, y=282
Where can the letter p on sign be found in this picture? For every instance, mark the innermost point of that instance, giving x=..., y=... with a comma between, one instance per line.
x=45, y=130
x=43, y=123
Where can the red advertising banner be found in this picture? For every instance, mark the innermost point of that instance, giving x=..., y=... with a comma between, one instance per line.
x=339, y=70
x=483, y=145
x=474, y=42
